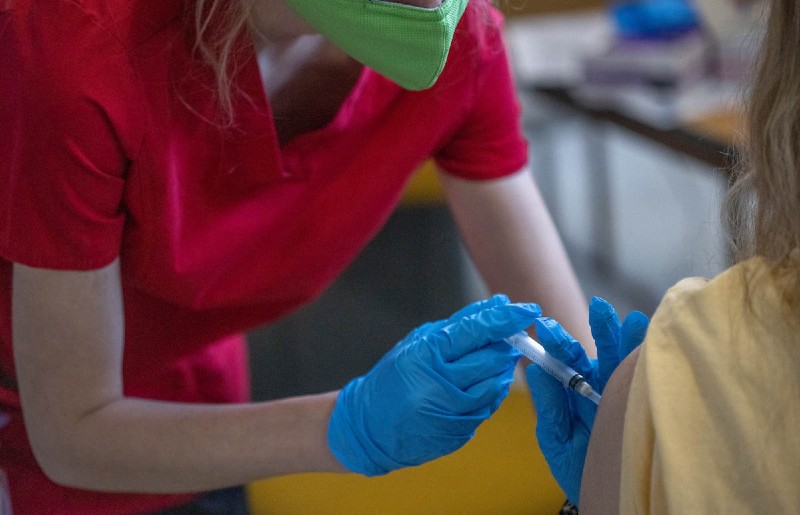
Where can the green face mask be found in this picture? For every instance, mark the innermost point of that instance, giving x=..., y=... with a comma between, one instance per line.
x=406, y=44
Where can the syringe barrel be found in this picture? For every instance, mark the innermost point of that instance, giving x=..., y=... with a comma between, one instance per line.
x=534, y=351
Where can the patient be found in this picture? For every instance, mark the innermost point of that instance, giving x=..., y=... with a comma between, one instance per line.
x=703, y=417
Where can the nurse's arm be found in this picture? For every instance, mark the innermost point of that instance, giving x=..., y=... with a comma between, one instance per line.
x=514, y=244
x=68, y=346
x=600, y=483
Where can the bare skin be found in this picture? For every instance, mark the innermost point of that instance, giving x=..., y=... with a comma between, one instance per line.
x=516, y=247
x=603, y=467
x=85, y=433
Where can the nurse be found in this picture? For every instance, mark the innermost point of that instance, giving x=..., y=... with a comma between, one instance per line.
x=174, y=173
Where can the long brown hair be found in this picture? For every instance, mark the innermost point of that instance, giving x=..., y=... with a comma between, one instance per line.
x=762, y=207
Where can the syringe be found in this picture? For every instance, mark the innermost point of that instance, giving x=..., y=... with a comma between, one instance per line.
x=533, y=350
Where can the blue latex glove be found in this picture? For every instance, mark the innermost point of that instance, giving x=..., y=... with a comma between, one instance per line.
x=426, y=397
x=564, y=418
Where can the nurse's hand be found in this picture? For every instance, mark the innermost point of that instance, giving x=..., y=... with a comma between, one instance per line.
x=565, y=418
x=426, y=397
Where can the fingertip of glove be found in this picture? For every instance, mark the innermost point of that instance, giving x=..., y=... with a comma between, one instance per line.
x=499, y=299
x=545, y=325
x=636, y=323
x=637, y=318
x=535, y=309
x=530, y=308
x=599, y=307
x=521, y=312
x=599, y=301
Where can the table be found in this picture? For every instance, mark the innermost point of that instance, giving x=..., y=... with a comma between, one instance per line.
x=709, y=139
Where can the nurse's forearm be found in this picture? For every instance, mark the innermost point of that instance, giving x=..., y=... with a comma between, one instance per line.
x=133, y=445
x=515, y=246
x=68, y=353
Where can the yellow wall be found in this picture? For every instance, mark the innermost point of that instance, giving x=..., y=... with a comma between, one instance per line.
x=501, y=471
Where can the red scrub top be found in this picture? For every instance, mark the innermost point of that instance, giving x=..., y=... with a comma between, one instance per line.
x=108, y=147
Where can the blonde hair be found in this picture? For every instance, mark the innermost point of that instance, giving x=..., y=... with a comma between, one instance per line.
x=762, y=207
x=219, y=26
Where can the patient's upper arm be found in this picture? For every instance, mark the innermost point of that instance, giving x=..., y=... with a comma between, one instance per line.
x=601, y=473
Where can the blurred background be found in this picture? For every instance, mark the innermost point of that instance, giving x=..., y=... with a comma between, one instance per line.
x=631, y=111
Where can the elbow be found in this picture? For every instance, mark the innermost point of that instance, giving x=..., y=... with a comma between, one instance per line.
x=59, y=464
x=62, y=459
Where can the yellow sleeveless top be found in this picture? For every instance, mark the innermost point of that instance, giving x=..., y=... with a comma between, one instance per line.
x=713, y=417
